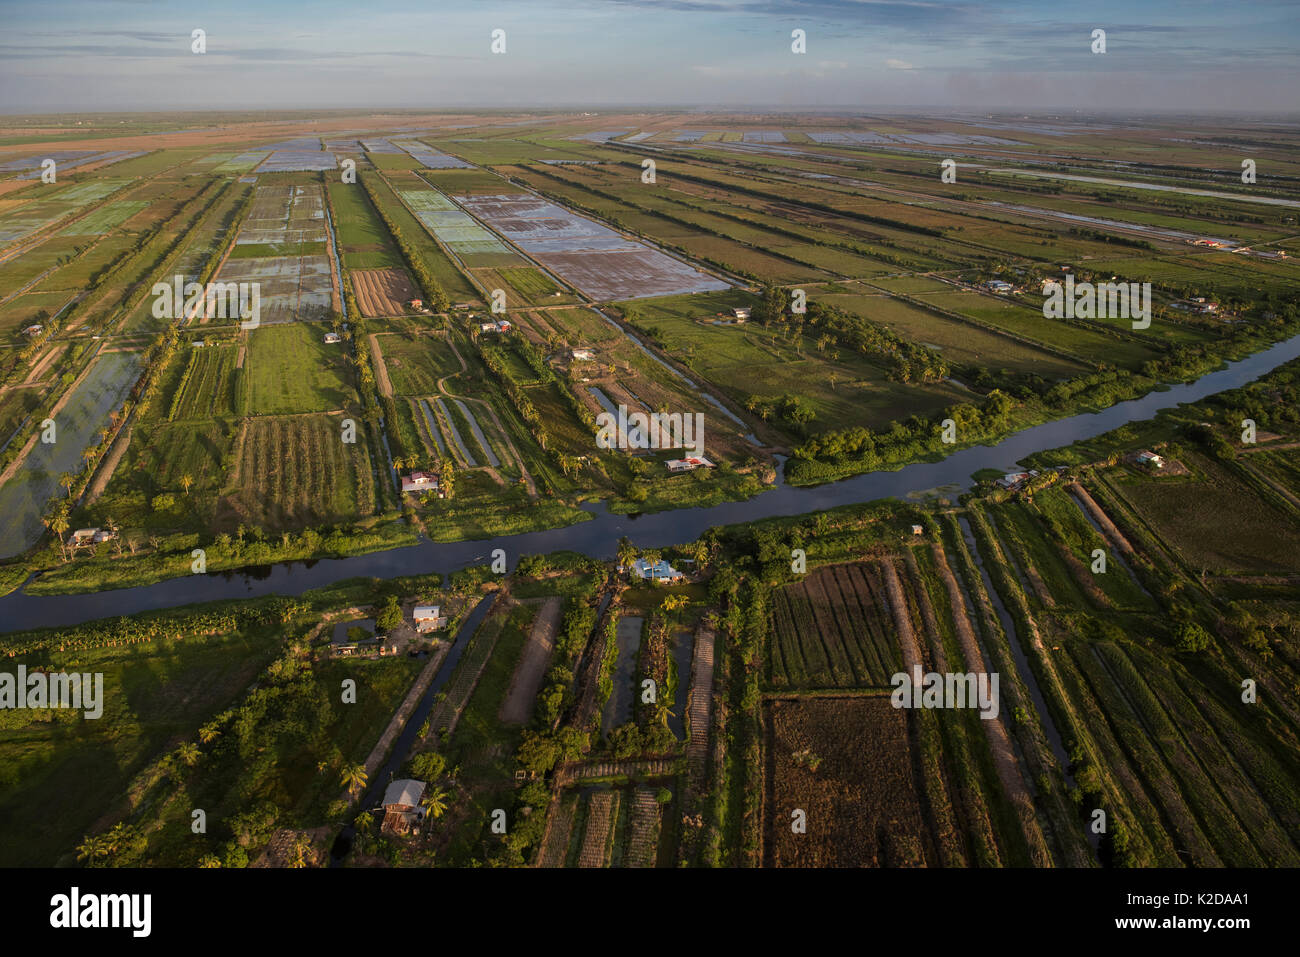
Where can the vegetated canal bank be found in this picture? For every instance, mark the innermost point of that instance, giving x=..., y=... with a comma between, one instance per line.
x=599, y=538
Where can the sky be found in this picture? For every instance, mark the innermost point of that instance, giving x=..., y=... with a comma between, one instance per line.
x=129, y=55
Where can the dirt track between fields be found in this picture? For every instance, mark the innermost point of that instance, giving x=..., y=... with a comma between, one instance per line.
x=517, y=707
x=1107, y=526
x=381, y=368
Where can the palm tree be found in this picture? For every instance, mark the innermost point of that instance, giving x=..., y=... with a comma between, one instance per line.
x=626, y=552
x=355, y=777
x=663, y=711
x=209, y=861
x=365, y=822
x=434, y=802
x=209, y=732
x=447, y=477
x=67, y=480
x=672, y=604
x=186, y=481
x=58, y=524
x=92, y=849
x=189, y=753
x=301, y=845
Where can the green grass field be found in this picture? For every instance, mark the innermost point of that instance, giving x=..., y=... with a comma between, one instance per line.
x=750, y=360
x=362, y=236
x=59, y=777
x=416, y=364
x=958, y=342
x=289, y=369
x=1215, y=520
x=209, y=384
x=105, y=218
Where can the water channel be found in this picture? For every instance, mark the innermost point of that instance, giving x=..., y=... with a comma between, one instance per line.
x=598, y=537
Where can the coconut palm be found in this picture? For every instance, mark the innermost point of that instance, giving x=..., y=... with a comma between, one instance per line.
x=652, y=559
x=626, y=552
x=434, y=802
x=58, y=524
x=189, y=753
x=672, y=604
x=93, y=849
x=209, y=732
x=186, y=481
x=355, y=777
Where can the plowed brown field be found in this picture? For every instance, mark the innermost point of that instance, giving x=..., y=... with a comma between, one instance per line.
x=383, y=292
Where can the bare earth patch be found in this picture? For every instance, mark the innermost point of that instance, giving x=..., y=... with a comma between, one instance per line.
x=517, y=707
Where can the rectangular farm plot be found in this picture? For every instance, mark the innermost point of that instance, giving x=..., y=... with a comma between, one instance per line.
x=285, y=214
x=593, y=258
x=632, y=274
x=383, y=292
x=416, y=363
x=290, y=287
x=295, y=472
x=283, y=161
x=835, y=629
x=454, y=228
x=21, y=221
x=207, y=386
x=104, y=219
x=380, y=146
x=430, y=158
x=284, y=219
x=363, y=239
x=290, y=369
x=959, y=342
x=241, y=163
x=1214, y=520
x=158, y=459
x=524, y=286
x=847, y=763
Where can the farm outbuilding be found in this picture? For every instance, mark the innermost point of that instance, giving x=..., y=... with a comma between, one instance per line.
x=402, y=809
x=688, y=464
x=428, y=618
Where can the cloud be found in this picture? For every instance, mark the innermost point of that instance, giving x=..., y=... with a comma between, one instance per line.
x=898, y=64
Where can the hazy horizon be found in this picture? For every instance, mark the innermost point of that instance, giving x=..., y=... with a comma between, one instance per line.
x=1025, y=55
